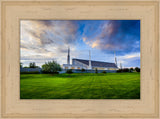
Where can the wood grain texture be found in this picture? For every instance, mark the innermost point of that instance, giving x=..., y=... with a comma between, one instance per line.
x=14, y=11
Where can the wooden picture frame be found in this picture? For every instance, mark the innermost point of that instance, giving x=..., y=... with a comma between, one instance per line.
x=12, y=11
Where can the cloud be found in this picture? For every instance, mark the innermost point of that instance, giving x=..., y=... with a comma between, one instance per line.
x=121, y=35
x=130, y=60
x=49, y=31
x=130, y=56
x=36, y=57
x=38, y=36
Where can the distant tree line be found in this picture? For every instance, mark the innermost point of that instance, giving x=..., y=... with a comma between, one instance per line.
x=49, y=67
x=136, y=69
x=31, y=65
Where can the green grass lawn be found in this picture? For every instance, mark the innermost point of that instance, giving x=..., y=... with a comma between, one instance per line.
x=80, y=86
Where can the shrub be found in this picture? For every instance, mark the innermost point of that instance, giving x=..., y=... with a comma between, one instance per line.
x=51, y=67
x=21, y=65
x=131, y=69
x=125, y=70
x=119, y=70
x=96, y=71
x=104, y=72
x=25, y=67
x=82, y=70
x=32, y=72
x=137, y=69
x=69, y=71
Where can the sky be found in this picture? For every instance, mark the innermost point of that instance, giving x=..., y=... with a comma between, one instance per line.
x=46, y=40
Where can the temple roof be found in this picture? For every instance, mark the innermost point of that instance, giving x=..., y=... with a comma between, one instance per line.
x=97, y=63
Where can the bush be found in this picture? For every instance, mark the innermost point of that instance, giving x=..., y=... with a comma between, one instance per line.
x=25, y=67
x=131, y=69
x=96, y=71
x=45, y=72
x=119, y=70
x=82, y=70
x=125, y=70
x=104, y=72
x=137, y=69
x=51, y=67
x=32, y=72
x=21, y=65
x=69, y=71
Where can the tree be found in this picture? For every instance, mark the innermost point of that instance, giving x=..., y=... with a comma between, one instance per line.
x=21, y=65
x=32, y=65
x=82, y=70
x=119, y=70
x=69, y=71
x=96, y=71
x=137, y=69
x=51, y=67
x=131, y=69
x=104, y=72
x=25, y=67
x=125, y=70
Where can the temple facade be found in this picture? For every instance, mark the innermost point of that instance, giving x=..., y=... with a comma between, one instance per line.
x=89, y=64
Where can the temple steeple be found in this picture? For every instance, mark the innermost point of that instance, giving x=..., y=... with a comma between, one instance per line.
x=115, y=57
x=120, y=65
x=68, y=57
x=90, y=66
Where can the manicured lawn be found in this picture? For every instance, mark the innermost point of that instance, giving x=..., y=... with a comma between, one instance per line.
x=80, y=86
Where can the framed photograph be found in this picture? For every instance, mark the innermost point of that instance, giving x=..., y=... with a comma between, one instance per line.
x=80, y=59
x=105, y=58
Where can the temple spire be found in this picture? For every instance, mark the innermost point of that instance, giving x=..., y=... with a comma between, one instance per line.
x=120, y=65
x=115, y=57
x=90, y=66
x=68, y=57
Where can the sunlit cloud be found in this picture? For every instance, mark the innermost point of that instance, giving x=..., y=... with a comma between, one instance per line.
x=116, y=35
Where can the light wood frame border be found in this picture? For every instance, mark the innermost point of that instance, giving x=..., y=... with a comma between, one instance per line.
x=5, y=108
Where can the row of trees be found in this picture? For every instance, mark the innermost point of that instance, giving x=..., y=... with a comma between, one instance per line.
x=31, y=65
x=136, y=69
x=48, y=67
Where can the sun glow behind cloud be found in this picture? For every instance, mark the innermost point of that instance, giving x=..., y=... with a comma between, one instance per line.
x=45, y=40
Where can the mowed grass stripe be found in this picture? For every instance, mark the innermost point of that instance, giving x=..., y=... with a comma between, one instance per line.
x=80, y=86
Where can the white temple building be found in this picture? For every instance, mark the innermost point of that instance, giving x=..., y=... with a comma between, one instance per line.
x=89, y=64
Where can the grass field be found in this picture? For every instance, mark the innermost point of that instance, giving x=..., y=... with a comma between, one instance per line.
x=80, y=86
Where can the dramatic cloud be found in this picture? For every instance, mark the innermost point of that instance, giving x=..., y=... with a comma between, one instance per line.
x=47, y=37
x=44, y=40
x=119, y=35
